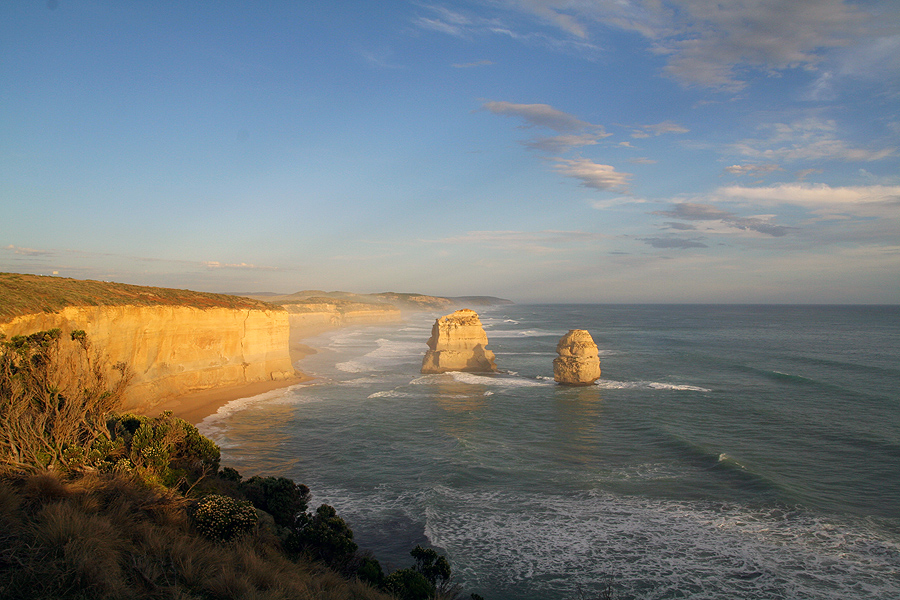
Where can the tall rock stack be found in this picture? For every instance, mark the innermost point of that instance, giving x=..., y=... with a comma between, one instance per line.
x=578, y=362
x=458, y=343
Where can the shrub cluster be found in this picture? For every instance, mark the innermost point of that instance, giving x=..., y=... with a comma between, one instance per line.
x=223, y=518
x=54, y=399
x=164, y=449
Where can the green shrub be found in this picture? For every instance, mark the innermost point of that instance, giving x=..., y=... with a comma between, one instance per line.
x=370, y=571
x=222, y=518
x=165, y=449
x=432, y=565
x=323, y=536
x=278, y=496
x=409, y=584
x=422, y=581
x=54, y=400
x=229, y=474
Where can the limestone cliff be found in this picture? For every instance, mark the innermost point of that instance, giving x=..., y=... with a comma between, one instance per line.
x=578, y=362
x=315, y=315
x=458, y=343
x=173, y=350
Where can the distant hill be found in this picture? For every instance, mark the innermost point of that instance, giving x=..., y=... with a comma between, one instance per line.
x=403, y=301
x=22, y=294
x=481, y=300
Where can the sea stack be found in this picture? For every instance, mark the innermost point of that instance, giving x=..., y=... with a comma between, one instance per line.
x=578, y=362
x=458, y=343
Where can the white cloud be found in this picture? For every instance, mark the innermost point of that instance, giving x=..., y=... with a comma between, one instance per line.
x=591, y=174
x=539, y=115
x=690, y=211
x=477, y=63
x=445, y=21
x=562, y=143
x=806, y=139
x=28, y=251
x=574, y=133
x=214, y=264
x=673, y=242
x=755, y=170
x=472, y=25
x=869, y=200
x=709, y=43
x=666, y=127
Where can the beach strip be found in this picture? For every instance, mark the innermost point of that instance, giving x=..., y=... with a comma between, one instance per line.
x=196, y=406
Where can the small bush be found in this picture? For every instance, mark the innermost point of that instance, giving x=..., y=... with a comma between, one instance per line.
x=222, y=518
x=409, y=584
x=432, y=565
x=278, y=496
x=323, y=536
x=229, y=474
x=164, y=449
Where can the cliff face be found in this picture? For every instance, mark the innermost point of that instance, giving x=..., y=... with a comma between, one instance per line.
x=458, y=343
x=579, y=361
x=310, y=318
x=173, y=350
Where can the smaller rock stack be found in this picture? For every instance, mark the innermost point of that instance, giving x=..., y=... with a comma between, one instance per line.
x=578, y=362
x=457, y=343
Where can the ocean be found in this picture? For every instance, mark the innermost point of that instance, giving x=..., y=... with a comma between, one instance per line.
x=739, y=452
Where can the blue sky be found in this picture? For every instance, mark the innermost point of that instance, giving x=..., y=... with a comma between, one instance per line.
x=540, y=150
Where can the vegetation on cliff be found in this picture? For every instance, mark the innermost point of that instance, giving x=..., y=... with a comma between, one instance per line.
x=27, y=294
x=95, y=504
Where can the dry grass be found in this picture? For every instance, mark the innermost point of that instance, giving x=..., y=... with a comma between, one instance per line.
x=108, y=536
x=22, y=294
x=54, y=399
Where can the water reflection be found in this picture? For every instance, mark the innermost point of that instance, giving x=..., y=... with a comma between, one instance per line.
x=579, y=411
x=461, y=404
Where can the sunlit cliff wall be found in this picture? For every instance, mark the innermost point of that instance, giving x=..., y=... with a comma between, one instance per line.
x=174, y=350
x=311, y=318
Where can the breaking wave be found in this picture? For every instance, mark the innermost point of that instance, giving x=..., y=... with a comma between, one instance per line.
x=648, y=385
x=501, y=381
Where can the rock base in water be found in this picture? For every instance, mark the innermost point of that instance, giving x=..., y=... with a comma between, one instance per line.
x=458, y=343
x=578, y=362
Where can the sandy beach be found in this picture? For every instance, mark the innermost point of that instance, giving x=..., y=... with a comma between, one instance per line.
x=196, y=406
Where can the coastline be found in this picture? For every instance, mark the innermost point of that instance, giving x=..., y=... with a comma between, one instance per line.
x=196, y=406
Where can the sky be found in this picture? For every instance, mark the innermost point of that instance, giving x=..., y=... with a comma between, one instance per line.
x=712, y=151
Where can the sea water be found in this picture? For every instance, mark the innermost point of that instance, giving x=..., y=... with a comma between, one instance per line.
x=740, y=452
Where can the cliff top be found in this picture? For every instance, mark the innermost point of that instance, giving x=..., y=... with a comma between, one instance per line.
x=22, y=294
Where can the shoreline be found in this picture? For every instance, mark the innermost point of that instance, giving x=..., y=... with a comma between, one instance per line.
x=196, y=406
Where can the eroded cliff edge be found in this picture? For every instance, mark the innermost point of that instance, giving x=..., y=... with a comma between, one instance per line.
x=175, y=342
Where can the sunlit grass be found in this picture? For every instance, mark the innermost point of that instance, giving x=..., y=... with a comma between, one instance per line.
x=22, y=294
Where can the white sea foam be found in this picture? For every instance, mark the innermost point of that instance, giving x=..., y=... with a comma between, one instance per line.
x=523, y=333
x=364, y=381
x=352, y=366
x=609, y=384
x=387, y=354
x=391, y=394
x=538, y=545
x=546, y=545
x=499, y=381
x=212, y=425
